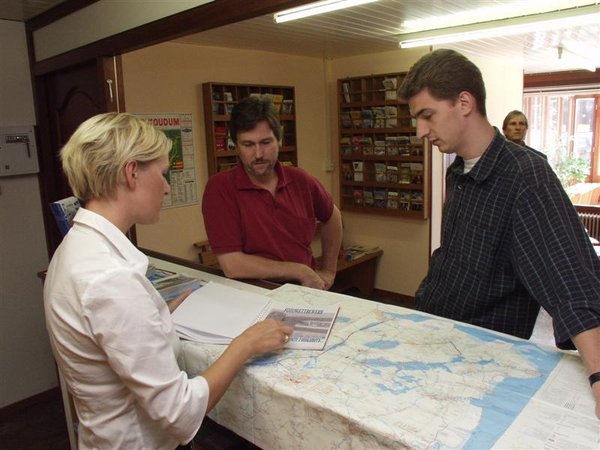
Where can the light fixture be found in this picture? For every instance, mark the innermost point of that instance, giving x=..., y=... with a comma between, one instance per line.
x=586, y=15
x=316, y=8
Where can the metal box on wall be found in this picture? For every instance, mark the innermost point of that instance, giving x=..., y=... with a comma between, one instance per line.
x=18, y=151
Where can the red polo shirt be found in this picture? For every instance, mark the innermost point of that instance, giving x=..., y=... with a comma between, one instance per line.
x=240, y=216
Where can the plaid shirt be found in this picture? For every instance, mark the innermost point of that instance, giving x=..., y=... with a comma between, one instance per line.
x=512, y=241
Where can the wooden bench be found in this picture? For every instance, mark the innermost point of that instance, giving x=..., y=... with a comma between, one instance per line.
x=358, y=273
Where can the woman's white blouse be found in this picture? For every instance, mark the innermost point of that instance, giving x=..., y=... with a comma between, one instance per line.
x=114, y=342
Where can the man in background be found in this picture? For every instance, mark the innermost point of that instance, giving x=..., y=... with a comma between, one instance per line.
x=511, y=239
x=515, y=128
x=261, y=217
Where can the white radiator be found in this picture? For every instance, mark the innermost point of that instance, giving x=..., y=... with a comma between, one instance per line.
x=591, y=222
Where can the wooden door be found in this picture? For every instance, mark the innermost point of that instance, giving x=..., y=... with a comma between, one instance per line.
x=66, y=98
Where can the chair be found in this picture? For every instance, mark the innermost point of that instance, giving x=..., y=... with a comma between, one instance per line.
x=205, y=254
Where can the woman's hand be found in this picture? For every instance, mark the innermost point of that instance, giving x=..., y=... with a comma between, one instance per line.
x=264, y=337
x=173, y=304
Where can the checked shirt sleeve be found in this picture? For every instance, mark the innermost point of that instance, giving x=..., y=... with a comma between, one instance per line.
x=554, y=259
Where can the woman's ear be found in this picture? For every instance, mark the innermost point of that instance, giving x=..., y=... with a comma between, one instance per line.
x=130, y=171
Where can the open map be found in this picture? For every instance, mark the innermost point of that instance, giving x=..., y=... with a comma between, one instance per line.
x=394, y=378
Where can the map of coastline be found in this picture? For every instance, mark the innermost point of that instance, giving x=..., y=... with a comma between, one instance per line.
x=391, y=377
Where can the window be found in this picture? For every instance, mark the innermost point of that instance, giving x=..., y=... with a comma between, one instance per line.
x=563, y=124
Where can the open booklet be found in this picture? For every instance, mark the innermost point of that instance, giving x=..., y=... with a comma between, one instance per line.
x=215, y=314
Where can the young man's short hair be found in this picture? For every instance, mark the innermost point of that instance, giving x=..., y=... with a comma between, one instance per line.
x=445, y=74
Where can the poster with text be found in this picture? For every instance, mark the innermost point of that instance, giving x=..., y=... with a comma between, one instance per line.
x=182, y=171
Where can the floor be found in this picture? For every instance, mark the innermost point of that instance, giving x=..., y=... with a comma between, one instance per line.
x=47, y=418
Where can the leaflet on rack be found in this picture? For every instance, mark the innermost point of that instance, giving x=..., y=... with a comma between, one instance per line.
x=215, y=314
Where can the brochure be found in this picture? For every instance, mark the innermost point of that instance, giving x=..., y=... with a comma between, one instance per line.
x=215, y=314
x=169, y=284
x=63, y=211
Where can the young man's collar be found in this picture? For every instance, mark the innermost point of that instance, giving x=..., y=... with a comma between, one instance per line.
x=485, y=166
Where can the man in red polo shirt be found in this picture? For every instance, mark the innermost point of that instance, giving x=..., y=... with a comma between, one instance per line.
x=261, y=217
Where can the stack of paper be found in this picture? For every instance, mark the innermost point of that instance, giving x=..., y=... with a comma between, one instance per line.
x=216, y=314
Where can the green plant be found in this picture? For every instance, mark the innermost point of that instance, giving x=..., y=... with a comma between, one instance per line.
x=569, y=168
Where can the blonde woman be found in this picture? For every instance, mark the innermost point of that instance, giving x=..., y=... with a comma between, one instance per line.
x=110, y=331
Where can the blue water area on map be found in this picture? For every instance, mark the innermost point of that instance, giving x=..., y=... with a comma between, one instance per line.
x=412, y=317
x=383, y=344
x=501, y=406
x=267, y=359
x=400, y=388
x=381, y=362
x=273, y=359
x=343, y=319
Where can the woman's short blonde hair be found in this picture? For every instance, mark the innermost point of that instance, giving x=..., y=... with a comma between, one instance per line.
x=94, y=157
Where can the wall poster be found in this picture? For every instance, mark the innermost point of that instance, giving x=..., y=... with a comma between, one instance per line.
x=182, y=174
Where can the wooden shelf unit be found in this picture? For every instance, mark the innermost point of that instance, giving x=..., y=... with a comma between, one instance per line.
x=219, y=99
x=384, y=168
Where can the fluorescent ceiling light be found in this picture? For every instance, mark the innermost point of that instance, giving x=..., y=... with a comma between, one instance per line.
x=316, y=8
x=587, y=15
x=491, y=11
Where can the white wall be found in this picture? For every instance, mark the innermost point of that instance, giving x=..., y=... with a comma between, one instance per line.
x=503, y=80
x=26, y=363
